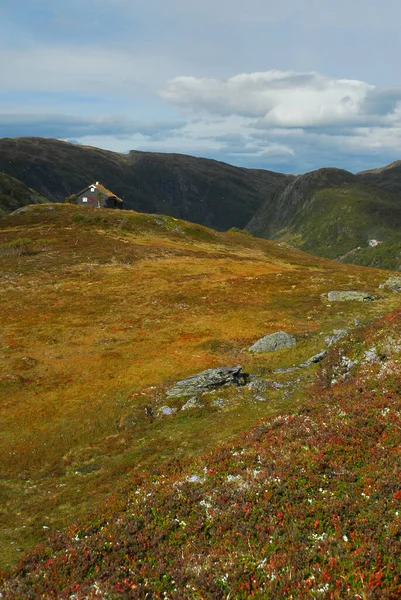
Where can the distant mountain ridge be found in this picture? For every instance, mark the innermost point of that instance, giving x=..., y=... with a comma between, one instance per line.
x=196, y=189
x=329, y=212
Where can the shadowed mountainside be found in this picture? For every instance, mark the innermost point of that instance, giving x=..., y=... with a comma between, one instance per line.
x=388, y=177
x=333, y=213
x=328, y=212
x=14, y=194
x=199, y=190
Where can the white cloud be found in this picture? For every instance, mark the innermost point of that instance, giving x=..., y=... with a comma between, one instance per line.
x=284, y=98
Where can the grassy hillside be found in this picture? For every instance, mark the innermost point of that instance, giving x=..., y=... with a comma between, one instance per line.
x=102, y=311
x=199, y=190
x=305, y=503
x=332, y=213
x=14, y=194
x=341, y=219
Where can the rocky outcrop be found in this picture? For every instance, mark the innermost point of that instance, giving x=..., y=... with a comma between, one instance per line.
x=192, y=403
x=208, y=380
x=393, y=284
x=314, y=360
x=273, y=342
x=340, y=296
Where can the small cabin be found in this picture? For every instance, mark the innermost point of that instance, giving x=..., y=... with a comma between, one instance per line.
x=97, y=196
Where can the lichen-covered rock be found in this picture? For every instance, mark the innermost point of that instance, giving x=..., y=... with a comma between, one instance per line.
x=220, y=402
x=192, y=403
x=206, y=381
x=317, y=358
x=165, y=411
x=394, y=284
x=340, y=296
x=335, y=336
x=273, y=342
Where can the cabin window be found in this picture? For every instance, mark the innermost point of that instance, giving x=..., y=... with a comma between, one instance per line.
x=92, y=189
x=91, y=199
x=85, y=199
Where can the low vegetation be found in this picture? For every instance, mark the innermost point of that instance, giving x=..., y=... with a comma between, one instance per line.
x=306, y=504
x=94, y=330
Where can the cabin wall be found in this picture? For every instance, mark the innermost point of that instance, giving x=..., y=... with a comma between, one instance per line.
x=92, y=199
x=97, y=200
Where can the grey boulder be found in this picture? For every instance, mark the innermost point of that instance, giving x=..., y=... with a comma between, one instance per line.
x=394, y=284
x=206, y=381
x=273, y=342
x=339, y=296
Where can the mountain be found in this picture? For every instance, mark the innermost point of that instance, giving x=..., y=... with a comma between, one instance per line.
x=287, y=485
x=388, y=177
x=199, y=190
x=328, y=212
x=333, y=213
x=14, y=194
x=102, y=312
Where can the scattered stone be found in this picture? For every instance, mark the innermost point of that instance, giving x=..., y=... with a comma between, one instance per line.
x=394, y=284
x=166, y=410
x=339, y=296
x=287, y=369
x=317, y=358
x=273, y=342
x=195, y=479
x=208, y=380
x=260, y=386
x=335, y=336
x=192, y=403
x=220, y=403
x=370, y=356
x=343, y=370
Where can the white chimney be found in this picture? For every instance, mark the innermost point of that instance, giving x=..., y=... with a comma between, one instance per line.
x=97, y=183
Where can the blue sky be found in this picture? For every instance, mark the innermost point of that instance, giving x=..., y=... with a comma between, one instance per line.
x=289, y=86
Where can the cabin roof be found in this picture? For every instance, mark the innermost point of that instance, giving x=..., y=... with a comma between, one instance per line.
x=101, y=188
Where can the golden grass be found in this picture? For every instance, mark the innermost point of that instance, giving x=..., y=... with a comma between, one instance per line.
x=100, y=323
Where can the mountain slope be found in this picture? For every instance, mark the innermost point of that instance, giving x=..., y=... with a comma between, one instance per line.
x=14, y=194
x=103, y=311
x=388, y=177
x=295, y=198
x=329, y=212
x=199, y=190
x=335, y=214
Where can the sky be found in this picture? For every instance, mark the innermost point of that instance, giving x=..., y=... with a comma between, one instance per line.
x=289, y=86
